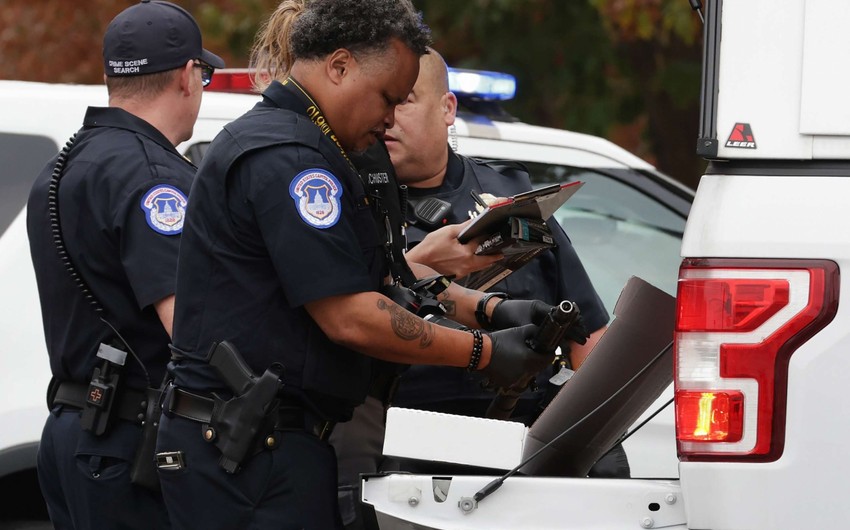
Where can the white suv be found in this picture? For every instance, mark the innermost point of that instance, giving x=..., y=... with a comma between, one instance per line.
x=627, y=220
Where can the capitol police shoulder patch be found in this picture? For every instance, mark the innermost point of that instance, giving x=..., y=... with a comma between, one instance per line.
x=316, y=193
x=165, y=209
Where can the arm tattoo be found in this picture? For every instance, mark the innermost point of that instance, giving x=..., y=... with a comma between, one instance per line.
x=451, y=307
x=408, y=326
x=447, y=301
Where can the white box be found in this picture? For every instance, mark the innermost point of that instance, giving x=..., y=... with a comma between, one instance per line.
x=435, y=436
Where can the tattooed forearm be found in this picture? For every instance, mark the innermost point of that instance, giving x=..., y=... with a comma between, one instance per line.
x=449, y=302
x=451, y=307
x=408, y=326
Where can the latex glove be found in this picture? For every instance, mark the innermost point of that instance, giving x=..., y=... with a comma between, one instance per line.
x=512, y=313
x=576, y=333
x=512, y=362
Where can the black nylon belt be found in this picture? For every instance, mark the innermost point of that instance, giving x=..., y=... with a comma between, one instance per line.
x=199, y=408
x=131, y=406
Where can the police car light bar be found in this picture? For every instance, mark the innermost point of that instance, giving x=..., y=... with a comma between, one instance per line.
x=232, y=80
x=494, y=86
x=489, y=86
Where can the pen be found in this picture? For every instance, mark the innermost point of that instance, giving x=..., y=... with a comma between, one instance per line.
x=477, y=198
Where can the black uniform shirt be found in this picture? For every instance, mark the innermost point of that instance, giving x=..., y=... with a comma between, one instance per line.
x=279, y=218
x=553, y=276
x=122, y=201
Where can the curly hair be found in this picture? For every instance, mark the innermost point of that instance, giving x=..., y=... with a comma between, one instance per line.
x=361, y=26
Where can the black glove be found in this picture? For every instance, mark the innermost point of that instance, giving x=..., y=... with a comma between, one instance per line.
x=576, y=333
x=512, y=313
x=512, y=362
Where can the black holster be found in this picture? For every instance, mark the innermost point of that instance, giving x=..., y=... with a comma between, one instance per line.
x=143, y=471
x=105, y=391
x=142, y=408
x=237, y=423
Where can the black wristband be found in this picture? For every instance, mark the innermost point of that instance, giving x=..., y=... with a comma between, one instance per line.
x=481, y=308
x=477, y=349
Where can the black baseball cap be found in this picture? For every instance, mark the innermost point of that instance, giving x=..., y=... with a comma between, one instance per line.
x=153, y=36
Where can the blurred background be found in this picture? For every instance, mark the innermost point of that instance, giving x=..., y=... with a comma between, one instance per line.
x=627, y=70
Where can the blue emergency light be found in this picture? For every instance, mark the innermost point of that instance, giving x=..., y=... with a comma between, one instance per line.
x=482, y=84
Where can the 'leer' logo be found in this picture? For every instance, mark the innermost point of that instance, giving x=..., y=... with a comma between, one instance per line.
x=741, y=137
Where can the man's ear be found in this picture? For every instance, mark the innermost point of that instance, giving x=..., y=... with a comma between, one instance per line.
x=449, y=106
x=339, y=64
x=185, y=77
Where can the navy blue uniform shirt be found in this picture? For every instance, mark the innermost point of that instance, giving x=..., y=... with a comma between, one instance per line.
x=553, y=276
x=122, y=202
x=279, y=218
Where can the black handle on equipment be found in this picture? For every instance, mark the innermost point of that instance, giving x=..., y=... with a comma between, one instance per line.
x=552, y=330
x=237, y=375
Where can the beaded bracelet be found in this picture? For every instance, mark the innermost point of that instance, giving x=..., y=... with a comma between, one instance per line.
x=477, y=349
x=481, y=308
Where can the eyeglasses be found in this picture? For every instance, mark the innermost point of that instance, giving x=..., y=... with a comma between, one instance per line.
x=206, y=73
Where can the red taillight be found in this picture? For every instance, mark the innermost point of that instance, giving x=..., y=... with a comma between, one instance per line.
x=738, y=323
x=710, y=416
x=232, y=80
x=729, y=304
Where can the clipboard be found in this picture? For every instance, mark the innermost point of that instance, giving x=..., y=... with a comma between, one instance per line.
x=540, y=203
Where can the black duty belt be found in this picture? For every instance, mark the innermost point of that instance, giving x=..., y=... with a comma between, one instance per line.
x=199, y=408
x=131, y=403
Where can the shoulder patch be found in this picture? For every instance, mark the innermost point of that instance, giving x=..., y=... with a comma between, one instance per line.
x=316, y=194
x=165, y=209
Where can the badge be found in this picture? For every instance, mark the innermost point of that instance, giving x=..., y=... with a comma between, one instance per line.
x=316, y=193
x=165, y=209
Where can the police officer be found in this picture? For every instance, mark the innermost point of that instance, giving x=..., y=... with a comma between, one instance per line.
x=429, y=167
x=281, y=264
x=105, y=254
x=423, y=155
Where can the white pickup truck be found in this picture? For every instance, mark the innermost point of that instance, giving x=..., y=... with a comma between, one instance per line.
x=761, y=338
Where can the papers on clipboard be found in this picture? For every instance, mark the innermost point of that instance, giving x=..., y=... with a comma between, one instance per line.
x=535, y=204
x=515, y=227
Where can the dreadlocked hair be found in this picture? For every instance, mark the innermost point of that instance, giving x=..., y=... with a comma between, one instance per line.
x=271, y=54
x=360, y=26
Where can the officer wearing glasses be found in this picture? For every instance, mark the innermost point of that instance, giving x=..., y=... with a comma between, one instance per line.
x=206, y=72
x=104, y=221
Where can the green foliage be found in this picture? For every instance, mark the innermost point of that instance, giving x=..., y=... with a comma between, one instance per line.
x=681, y=21
x=596, y=66
x=558, y=51
x=679, y=79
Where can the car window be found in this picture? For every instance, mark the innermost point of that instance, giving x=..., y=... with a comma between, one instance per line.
x=195, y=152
x=618, y=227
x=22, y=157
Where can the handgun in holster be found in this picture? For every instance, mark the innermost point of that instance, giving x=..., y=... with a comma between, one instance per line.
x=237, y=423
x=102, y=396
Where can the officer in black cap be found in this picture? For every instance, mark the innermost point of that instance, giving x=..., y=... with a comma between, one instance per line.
x=104, y=221
x=283, y=265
